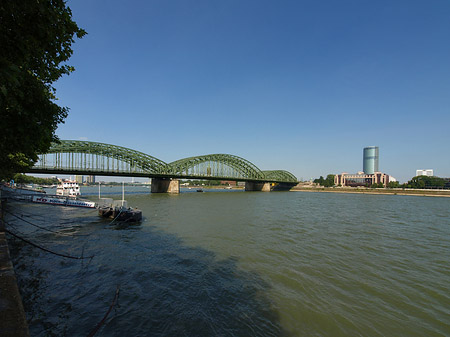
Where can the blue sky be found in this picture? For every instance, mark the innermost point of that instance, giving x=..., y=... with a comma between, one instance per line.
x=297, y=85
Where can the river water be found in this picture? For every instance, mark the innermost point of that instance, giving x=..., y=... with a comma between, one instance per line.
x=239, y=264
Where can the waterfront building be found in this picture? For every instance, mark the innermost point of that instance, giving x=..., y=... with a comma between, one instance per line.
x=361, y=179
x=79, y=179
x=370, y=159
x=428, y=172
x=370, y=174
x=90, y=179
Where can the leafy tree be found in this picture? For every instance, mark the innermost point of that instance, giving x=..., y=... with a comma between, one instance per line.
x=35, y=39
x=393, y=184
x=426, y=182
x=24, y=179
x=319, y=181
x=328, y=182
x=377, y=185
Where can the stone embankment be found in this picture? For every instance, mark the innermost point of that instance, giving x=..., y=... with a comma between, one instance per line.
x=12, y=315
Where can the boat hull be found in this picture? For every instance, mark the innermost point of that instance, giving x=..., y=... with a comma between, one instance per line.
x=63, y=201
x=122, y=215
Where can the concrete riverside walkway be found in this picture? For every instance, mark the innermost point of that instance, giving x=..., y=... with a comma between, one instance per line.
x=12, y=316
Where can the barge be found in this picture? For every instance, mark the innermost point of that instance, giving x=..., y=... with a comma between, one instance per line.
x=121, y=214
x=118, y=210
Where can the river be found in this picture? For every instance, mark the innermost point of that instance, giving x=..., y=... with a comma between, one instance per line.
x=232, y=263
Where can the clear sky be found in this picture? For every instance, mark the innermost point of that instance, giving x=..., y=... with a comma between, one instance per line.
x=297, y=85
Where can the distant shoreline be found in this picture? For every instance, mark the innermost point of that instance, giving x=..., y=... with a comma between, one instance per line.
x=393, y=191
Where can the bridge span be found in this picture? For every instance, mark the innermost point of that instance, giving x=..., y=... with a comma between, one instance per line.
x=92, y=158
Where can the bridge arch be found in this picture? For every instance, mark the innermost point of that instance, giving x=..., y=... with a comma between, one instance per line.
x=280, y=175
x=225, y=166
x=86, y=157
x=76, y=155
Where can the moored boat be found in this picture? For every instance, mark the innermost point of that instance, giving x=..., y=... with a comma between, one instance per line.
x=41, y=199
x=121, y=214
x=118, y=210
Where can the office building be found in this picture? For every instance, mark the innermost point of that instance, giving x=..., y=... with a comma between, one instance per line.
x=370, y=159
x=428, y=173
x=370, y=175
x=361, y=179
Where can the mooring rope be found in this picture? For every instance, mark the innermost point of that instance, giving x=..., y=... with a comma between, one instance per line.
x=116, y=217
x=43, y=228
x=46, y=249
x=100, y=324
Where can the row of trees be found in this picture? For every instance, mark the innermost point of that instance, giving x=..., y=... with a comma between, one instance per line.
x=204, y=182
x=24, y=179
x=428, y=182
x=328, y=182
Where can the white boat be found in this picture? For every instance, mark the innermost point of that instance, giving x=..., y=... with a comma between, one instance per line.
x=68, y=188
x=63, y=201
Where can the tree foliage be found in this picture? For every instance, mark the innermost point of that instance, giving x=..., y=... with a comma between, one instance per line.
x=35, y=39
x=24, y=179
x=328, y=182
x=393, y=184
x=426, y=182
x=377, y=185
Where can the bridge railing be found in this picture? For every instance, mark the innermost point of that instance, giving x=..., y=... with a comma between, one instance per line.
x=86, y=162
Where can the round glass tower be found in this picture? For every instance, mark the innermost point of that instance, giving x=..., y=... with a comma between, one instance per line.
x=370, y=159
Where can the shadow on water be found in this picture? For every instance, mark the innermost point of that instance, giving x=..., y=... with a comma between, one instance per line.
x=166, y=288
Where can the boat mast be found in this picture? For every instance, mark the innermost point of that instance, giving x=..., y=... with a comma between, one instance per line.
x=123, y=193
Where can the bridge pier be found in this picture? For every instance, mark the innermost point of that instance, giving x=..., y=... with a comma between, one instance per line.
x=254, y=186
x=283, y=186
x=267, y=187
x=165, y=185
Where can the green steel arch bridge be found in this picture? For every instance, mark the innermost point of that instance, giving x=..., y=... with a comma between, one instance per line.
x=92, y=158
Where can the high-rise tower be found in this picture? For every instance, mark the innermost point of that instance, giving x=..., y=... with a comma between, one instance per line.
x=370, y=159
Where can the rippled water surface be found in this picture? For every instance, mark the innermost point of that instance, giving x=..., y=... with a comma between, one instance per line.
x=240, y=264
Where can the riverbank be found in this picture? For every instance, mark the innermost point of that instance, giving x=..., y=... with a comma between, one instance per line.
x=13, y=321
x=392, y=191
